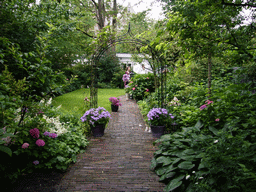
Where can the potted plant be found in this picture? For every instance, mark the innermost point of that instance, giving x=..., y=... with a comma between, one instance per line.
x=157, y=118
x=97, y=119
x=115, y=103
x=127, y=94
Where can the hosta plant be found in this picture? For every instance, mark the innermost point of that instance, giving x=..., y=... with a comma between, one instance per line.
x=220, y=161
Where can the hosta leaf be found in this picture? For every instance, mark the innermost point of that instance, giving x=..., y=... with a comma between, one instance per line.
x=170, y=168
x=170, y=174
x=175, y=183
x=199, y=125
x=200, y=155
x=6, y=150
x=164, y=160
x=176, y=161
x=202, y=165
x=186, y=165
x=189, y=151
x=153, y=163
x=160, y=171
x=213, y=130
x=188, y=157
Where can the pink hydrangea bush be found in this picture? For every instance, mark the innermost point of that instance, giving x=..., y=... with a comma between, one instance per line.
x=34, y=133
x=40, y=142
x=25, y=145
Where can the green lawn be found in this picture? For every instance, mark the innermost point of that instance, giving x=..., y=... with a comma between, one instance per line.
x=73, y=102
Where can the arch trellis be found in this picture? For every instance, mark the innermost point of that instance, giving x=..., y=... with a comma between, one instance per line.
x=159, y=68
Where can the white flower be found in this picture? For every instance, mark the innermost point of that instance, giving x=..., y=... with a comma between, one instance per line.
x=193, y=172
x=49, y=102
x=200, y=178
x=196, y=183
x=57, y=108
x=42, y=101
x=216, y=141
x=187, y=177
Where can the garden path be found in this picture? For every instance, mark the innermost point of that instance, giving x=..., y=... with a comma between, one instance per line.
x=118, y=161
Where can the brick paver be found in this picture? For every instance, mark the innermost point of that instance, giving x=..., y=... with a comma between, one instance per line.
x=118, y=161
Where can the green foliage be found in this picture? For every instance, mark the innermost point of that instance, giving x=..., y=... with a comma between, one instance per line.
x=57, y=153
x=141, y=85
x=192, y=161
x=107, y=67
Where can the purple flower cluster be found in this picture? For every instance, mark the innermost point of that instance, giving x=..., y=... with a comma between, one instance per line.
x=34, y=133
x=155, y=112
x=40, y=142
x=115, y=101
x=126, y=77
x=98, y=115
x=158, y=115
x=52, y=135
x=25, y=145
x=36, y=162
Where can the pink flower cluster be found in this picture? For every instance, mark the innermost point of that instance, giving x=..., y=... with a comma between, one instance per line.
x=208, y=102
x=217, y=119
x=34, y=133
x=25, y=145
x=40, y=142
x=147, y=90
x=115, y=101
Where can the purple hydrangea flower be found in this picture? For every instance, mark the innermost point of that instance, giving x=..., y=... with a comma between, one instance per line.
x=40, y=142
x=126, y=78
x=46, y=133
x=53, y=135
x=34, y=133
x=36, y=162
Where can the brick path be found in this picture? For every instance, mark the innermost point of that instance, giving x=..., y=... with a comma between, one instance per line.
x=118, y=161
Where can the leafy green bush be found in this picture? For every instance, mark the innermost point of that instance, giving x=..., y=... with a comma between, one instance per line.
x=192, y=161
x=58, y=142
x=141, y=85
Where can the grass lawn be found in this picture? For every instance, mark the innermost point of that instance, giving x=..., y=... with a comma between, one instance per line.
x=73, y=102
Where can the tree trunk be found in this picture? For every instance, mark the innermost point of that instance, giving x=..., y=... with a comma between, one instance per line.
x=114, y=23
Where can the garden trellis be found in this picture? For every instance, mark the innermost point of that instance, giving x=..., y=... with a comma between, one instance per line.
x=159, y=67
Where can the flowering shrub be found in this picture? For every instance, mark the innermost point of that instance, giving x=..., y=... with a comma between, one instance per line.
x=25, y=145
x=115, y=101
x=126, y=78
x=158, y=116
x=141, y=85
x=52, y=135
x=34, y=133
x=96, y=116
x=40, y=142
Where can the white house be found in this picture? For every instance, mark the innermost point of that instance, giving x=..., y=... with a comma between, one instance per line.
x=140, y=68
x=126, y=58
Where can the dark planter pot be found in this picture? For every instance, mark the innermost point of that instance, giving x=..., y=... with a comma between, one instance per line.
x=98, y=130
x=114, y=108
x=157, y=131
